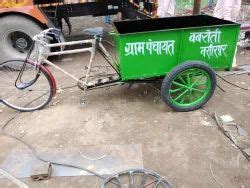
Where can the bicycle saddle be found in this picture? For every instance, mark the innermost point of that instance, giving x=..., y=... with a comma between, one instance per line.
x=95, y=31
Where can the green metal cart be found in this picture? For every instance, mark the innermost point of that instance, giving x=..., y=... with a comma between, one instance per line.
x=185, y=50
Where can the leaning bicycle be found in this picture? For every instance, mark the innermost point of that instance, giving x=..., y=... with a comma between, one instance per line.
x=28, y=85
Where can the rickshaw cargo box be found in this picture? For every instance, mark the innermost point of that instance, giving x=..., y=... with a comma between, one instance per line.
x=153, y=47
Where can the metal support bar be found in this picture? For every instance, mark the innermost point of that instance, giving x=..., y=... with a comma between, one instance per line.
x=62, y=70
x=71, y=43
x=69, y=52
x=111, y=60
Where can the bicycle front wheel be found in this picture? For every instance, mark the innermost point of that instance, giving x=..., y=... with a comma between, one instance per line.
x=33, y=97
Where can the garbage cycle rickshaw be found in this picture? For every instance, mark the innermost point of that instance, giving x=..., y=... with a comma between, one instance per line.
x=180, y=52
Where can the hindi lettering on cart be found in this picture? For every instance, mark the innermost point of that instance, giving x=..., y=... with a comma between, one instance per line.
x=151, y=47
x=207, y=36
x=211, y=51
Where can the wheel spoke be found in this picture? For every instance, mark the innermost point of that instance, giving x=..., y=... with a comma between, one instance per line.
x=119, y=181
x=150, y=183
x=181, y=95
x=199, y=90
x=188, y=79
x=175, y=90
x=179, y=84
x=182, y=100
x=157, y=183
x=189, y=96
x=12, y=73
x=180, y=78
x=198, y=79
x=194, y=72
x=131, y=180
x=195, y=95
x=201, y=83
x=143, y=180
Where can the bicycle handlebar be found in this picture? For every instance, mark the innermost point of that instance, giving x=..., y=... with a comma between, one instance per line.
x=48, y=37
x=54, y=31
x=49, y=34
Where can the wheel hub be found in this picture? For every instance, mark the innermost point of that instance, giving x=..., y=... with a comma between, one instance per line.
x=22, y=43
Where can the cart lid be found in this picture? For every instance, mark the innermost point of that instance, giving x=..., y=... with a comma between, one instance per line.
x=134, y=26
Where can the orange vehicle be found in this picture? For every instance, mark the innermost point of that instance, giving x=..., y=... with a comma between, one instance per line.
x=20, y=20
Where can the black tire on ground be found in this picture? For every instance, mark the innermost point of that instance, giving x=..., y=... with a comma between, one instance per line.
x=248, y=39
x=16, y=34
x=166, y=84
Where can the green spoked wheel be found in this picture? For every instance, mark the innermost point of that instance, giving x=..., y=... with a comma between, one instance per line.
x=189, y=86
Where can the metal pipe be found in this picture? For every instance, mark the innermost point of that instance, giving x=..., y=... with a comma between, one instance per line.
x=197, y=7
x=91, y=41
x=69, y=52
x=62, y=70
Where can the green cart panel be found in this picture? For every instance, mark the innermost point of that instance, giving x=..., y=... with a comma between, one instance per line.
x=151, y=48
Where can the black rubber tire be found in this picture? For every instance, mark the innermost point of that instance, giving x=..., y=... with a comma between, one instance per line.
x=248, y=38
x=12, y=23
x=23, y=109
x=178, y=69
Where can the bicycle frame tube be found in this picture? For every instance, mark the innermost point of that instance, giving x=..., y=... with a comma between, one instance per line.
x=95, y=44
x=91, y=49
x=62, y=70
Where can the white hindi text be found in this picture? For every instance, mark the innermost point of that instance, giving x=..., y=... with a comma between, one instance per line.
x=208, y=36
x=151, y=47
x=211, y=51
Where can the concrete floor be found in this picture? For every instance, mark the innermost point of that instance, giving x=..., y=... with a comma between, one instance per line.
x=186, y=148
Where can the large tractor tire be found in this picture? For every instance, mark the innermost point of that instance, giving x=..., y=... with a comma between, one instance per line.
x=16, y=34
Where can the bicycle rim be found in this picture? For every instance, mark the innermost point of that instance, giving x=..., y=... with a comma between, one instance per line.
x=134, y=178
x=31, y=98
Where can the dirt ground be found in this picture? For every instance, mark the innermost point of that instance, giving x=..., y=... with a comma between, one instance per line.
x=186, y=148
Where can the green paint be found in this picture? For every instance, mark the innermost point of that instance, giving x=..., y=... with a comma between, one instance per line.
x=144, y=64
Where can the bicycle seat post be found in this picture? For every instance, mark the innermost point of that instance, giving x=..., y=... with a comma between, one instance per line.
x=83, y=100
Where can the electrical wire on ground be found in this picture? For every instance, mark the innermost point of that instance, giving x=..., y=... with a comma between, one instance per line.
x=235, y=85
x=34, y=152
